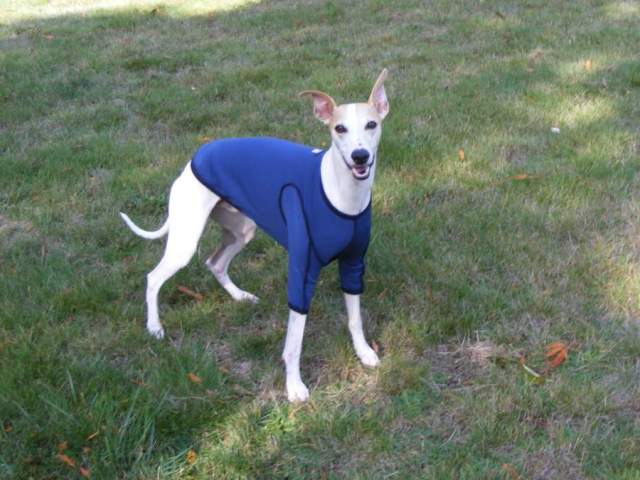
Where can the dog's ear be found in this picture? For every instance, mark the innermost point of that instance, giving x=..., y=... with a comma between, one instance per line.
x=378, y=97
x=323, y=105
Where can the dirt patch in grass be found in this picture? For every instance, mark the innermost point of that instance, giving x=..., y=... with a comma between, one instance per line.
x=516, y=155
x=12, y=231
x=457, y=365
x=553, y=463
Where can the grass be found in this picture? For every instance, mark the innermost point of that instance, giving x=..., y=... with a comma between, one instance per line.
x=532, y=238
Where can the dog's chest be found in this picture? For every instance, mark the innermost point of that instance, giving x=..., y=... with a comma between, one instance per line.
x=334, y=234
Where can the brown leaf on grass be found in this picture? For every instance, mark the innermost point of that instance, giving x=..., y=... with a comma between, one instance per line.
x=191, y=457
x=86, y=450
x=48, y=36
x=187, y=291
x=62, y=446
x=93, y=435
x=511, y=471
x=194, y=378
x=588, y=64
x=430, y=294
x=84, y=472
x=556, y=353
x=68, y=461
x=224, y=370
x=522, y=176
x=461, y=155
x=7, y=426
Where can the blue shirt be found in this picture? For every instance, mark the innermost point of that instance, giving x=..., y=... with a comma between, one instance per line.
x=277, y=184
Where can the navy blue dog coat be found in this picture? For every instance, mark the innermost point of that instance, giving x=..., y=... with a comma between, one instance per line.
x=277, y=184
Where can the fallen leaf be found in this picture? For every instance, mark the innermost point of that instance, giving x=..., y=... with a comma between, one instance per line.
x=191, y=293
x=461, y=155
x=554, y=348
x=430, y=294
x=69, y=462
x=523, y=176
x=93, y=435
x=205, y=138
x=556, y=353
x=7, y=427
x=48, y=36
x=511, y=471
x=84, y=472
x=62, y=446
x=224, y=370
x=86, y=449
x=191, y=457
x=194, y=378
x=588, y=64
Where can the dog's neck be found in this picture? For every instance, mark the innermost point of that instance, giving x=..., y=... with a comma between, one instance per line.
x=346, y=194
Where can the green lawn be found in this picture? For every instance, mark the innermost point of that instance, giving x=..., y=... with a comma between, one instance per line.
x=533, y=237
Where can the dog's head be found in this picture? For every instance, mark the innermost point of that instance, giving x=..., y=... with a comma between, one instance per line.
x=355, y=127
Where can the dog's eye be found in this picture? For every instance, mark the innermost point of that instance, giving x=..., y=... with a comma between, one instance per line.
x=341, y=129
x=371, y=125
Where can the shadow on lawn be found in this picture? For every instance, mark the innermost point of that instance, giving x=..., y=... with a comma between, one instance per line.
x=458, y=246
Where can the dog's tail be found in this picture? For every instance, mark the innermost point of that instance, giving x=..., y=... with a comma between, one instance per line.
x=144, y=233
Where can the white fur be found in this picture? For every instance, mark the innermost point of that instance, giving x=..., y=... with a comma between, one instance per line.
x=191, y=204
x=365, y=353
x=296, y=389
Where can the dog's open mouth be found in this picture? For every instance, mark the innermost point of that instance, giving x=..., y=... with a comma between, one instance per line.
x=360, y=172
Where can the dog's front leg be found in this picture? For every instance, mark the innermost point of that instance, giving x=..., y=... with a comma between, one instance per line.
x=365, y=353
x=296, y=390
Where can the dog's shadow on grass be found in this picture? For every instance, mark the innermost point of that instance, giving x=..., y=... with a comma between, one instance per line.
x=520, y=237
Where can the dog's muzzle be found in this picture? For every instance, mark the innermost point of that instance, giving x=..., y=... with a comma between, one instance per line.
x=361, y=168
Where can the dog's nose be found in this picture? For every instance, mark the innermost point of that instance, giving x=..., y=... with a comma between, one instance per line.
x=360, y=156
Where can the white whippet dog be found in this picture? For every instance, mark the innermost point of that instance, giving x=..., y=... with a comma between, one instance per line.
x=346, y=172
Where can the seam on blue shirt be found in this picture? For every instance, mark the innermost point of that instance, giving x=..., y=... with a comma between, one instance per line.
x=304, y=216
x=310, y=247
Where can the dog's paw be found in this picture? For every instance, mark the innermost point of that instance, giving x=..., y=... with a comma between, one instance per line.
x=248, y=297
x=297, y=392
x=156, y=332
x=368, y=357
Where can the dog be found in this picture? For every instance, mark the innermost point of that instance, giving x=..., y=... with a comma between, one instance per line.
x=316, y=204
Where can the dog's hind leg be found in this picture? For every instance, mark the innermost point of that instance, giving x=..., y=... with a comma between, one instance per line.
x=237, y=231
x=190, y=204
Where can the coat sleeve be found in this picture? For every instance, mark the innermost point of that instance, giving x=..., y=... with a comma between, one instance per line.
x=351, y=274
x=303, y=266
x=351, y=265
